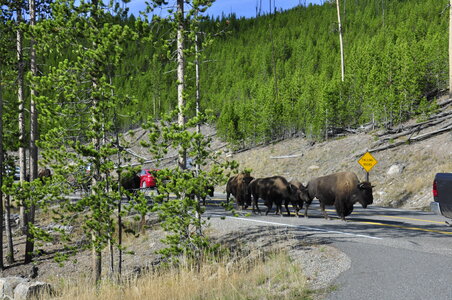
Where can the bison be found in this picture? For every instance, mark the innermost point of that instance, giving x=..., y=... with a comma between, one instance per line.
x=342, y=190
x=238, y=186
x=130, y=182
x=208, y=191
x=44, y=173
x=276, y=190
x=302, y=197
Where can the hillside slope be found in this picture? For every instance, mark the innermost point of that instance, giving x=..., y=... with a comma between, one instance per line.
x=402, y=177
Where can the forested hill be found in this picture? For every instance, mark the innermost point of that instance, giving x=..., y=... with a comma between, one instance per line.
x=278, y=74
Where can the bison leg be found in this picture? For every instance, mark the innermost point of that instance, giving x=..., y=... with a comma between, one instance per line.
x=279, y=209
x=307, y=206
x=306, y=210
x=297, y=209
x=286, y=205
x=239, y=202
x=247, y=201
x=255, y=205
x=201, y=200
x=322, y=206
x=344, y=210
x=269, y=206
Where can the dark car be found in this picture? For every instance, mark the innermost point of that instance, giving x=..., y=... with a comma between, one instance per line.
x=147, y=178
x=442, y=195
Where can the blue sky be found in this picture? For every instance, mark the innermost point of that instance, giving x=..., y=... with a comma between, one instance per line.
x=242, y=8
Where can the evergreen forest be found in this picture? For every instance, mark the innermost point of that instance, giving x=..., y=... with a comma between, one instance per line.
x=275, y=75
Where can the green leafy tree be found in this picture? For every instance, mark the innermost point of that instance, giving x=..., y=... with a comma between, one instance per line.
x=79, y=105
x=182, y=215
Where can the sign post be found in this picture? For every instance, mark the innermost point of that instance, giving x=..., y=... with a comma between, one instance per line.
x=367, y=161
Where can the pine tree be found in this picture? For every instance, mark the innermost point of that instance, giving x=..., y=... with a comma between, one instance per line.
x=181, y=216
x=78, y=103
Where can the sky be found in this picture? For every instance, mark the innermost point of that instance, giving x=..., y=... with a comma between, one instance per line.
x=242, y=8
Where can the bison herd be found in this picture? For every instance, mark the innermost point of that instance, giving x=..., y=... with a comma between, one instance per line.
x=341, y=189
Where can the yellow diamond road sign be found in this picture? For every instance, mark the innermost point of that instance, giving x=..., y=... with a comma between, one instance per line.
x=367, y=161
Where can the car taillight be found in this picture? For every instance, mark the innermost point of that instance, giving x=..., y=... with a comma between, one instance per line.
x=435, y=189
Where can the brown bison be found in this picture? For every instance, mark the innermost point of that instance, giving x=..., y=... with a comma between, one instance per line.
x=276, y=190
x=238, y=186
x=342, y=190
x=302, y=197
x=44, y=173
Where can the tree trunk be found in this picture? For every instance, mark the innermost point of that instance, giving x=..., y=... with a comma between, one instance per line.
x=29, y=245
x=198, y=91
x=340, y=41
x=9, y=233
x=20, y=97
x=96, y=141
x=182, y=160
x=119, y=202
x=119, y=227
x=112, y=258
x=97, y=261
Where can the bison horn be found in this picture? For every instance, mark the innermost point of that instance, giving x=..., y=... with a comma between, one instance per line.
x=365, y=185
x=360, y=185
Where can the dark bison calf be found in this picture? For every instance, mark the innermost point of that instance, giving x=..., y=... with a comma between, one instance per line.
x=276, y=190
x=342, y=190
x=208, y=191
x=130, y=182
x=302, y=197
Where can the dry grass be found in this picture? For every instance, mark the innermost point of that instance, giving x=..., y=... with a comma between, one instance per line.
x=274, y=276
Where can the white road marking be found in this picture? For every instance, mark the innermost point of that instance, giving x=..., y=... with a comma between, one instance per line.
x=301, y=227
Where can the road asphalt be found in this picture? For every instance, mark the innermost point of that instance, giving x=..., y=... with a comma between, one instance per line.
x=395, y=254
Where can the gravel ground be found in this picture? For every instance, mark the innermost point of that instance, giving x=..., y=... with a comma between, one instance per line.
x=320, y=262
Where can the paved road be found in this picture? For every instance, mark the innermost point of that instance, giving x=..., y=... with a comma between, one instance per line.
x=395, y=254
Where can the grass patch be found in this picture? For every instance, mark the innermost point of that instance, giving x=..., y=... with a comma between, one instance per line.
x=271, y=276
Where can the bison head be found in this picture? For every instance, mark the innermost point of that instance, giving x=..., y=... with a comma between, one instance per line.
x=297, y=194
x=364, y=193
x=303, y=195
